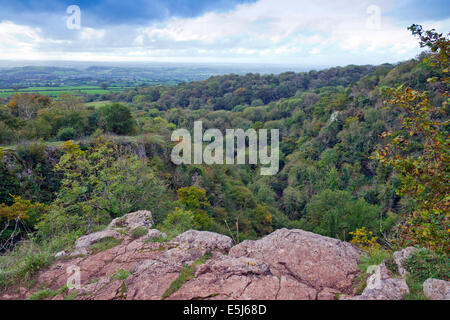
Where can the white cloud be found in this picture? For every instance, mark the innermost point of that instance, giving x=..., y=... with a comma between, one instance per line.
x=90, y=33
x=292, y=30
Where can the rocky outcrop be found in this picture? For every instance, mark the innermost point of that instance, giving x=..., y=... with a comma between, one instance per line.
x=83, y=244
x=382, y=285
x=313, y=260
x=132, y=221
x=436, y=289
x=401, y=256
x=285, y=265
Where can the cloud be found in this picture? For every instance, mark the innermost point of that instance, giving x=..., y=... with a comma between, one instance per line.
x=290, y=31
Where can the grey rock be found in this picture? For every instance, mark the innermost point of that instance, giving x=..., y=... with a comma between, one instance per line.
x=382, y=286
x=154, y=234
x=82, y=244
x=401, y=256
x=435, y=289
x=132, y=221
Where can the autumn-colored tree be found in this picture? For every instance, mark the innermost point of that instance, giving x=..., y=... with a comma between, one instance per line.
x=17, y=219
x=26, y=106
x=424, y=174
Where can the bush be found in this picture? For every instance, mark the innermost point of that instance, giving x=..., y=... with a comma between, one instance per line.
x=426, y=264
x=65, y=134
x=179, y=221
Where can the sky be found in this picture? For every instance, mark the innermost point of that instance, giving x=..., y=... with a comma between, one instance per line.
x=296, y=32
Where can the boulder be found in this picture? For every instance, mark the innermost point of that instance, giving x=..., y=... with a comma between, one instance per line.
x=203, y=239
x=435, y=289
x=382, y=286
x=82, y=244
x=401, y=256
x=133, y=220
x=154, y=234
x=314, y=260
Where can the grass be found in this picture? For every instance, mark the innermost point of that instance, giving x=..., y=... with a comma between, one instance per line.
x=369, y=260
x=186, y=274
x=139, y=232
x=373, y=257
x=121, y=275
x=104, y=244
x=57, y=91
x=48, y=294
x=423, y=265
x=18, y=266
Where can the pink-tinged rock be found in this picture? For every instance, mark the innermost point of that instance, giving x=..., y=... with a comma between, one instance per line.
x=327, y=294
x=314, y=260
x=291, y=289
x=203, y=239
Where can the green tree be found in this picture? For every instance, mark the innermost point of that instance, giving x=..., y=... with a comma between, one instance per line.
x=116, y=118
x=336, y=214
x=424, y=173
x=102, y=183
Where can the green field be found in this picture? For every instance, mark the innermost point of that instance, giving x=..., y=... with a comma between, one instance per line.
x=56, y=91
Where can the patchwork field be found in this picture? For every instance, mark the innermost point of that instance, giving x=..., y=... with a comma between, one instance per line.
x=56, y=91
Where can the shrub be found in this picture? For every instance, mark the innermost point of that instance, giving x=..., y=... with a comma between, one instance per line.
x=65, y=134
x=179, y=221
x=364, y=239
x=426, y=264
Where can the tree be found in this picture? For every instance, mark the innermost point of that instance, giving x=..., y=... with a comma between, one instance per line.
x=116, y=118
x=26, y=106
x=195, y=200
x=102, y=183
x=424, y=173
x=337, y=213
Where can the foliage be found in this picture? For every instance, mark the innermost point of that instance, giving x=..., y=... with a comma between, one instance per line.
x=364, y=239
x=424, y=174
x=426, y=264
x=65, y=134
x=47, y=293
x=423, y=265
x=105, y=183
x=336, y=214
x=18, y=219
x=373, y=257
x=179, y=221
x=116, y=118
x=193, y=198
